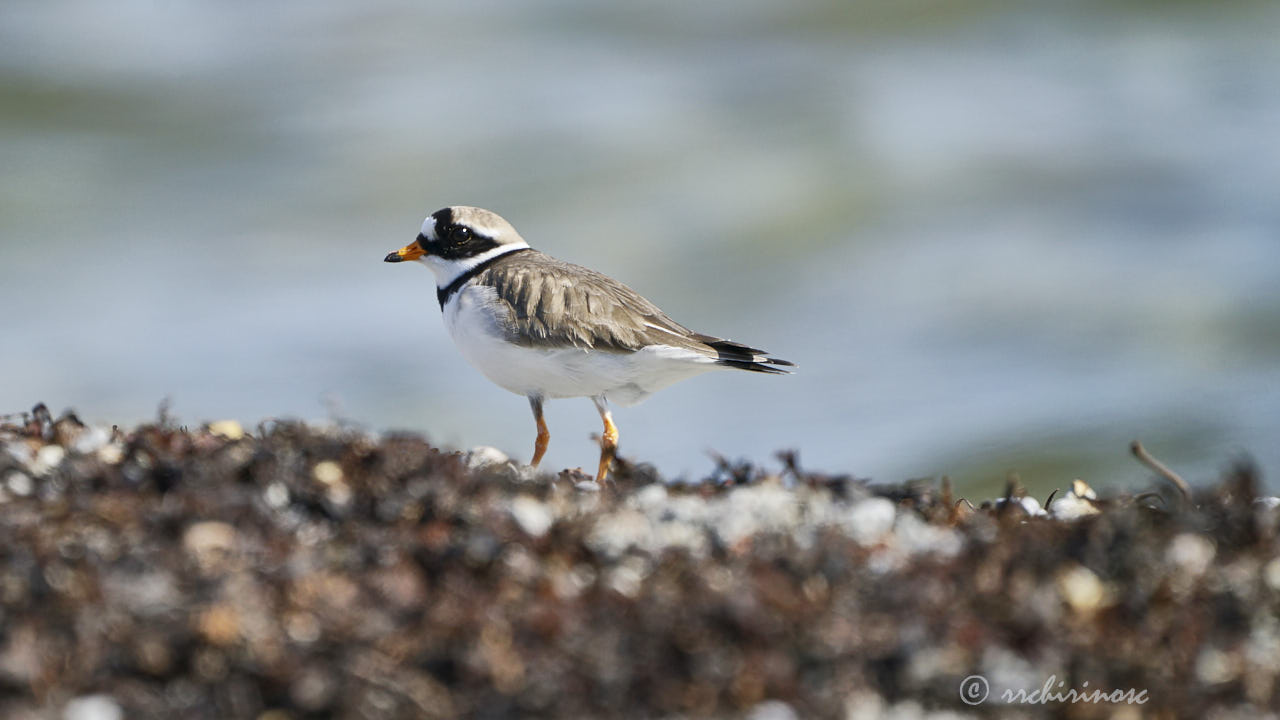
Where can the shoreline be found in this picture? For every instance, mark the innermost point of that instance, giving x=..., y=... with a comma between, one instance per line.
x=209, y=572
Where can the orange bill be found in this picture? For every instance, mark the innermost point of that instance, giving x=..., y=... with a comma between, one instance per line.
x=412, y=251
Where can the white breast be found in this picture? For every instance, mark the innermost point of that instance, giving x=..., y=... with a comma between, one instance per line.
x=472, y=317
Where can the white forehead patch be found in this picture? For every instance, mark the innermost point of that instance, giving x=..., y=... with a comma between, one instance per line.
x=429, y=228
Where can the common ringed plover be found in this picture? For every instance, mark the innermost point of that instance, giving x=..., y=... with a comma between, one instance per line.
x=544, y=328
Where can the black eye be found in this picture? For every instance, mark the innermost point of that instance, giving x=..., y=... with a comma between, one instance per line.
x=459, y=234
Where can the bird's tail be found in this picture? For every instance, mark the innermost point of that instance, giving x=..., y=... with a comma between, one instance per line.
x=742, y=357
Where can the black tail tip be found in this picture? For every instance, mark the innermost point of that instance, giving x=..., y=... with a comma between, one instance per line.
x=760, y=367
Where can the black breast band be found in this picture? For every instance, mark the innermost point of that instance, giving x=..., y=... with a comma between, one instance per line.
x=444, y=293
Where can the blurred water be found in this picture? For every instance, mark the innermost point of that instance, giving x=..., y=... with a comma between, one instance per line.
x=994, y=236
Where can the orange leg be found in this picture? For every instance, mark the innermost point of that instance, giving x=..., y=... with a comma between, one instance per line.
x=608, y=441
x=544, y=435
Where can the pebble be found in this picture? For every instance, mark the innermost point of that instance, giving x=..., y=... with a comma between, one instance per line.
x=313, y=690
x=1032, y=506
x=229, y=429
x=47, y=458
x=1271, y=575
x=93, y=707
x=1071, y=508
x=19, y=451
x=276, y=495
x=765, y=507
x=772, y=710
x=1077, y=503
x=209, y=542
x=18, y=483
x=1081, y=489
x=327, y=472
x=485, y=456
x=628, y=577
x=918, y=537
x=1215, y=667
x=651, y=496
x=1029, y=505
x=91, y=440
x=111, y=454
x=303, y=627
x=533, y=517
x=870, y=520
x=615, y=533
x=1081, y=589
x=219, y=625
x=1192, y=553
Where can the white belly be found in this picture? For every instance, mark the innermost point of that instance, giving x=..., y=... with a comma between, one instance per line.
x=624, y=378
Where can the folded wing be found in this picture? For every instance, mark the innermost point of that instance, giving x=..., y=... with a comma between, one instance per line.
x=556, y=304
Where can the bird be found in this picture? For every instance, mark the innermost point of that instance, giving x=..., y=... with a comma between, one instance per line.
x=548, y=329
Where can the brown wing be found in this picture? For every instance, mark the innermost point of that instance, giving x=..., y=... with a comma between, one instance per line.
x=557, y=304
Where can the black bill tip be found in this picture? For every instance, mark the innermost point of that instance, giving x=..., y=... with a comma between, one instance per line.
x=393, y=257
